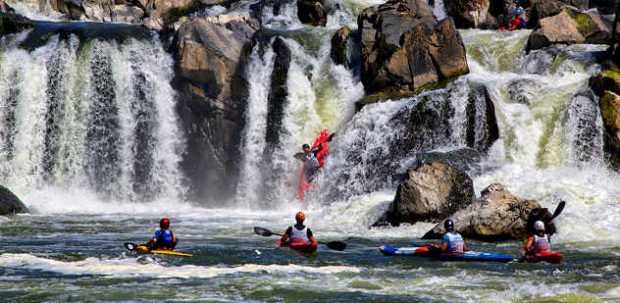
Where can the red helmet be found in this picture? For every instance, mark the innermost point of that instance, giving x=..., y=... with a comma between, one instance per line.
x=164, y=223
x=300, y=217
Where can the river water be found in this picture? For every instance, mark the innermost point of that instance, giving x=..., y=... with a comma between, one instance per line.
x=96, y=160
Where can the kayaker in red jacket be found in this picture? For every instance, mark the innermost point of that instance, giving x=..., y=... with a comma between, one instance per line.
x=298, y=233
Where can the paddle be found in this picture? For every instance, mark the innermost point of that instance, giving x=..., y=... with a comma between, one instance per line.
x=335, y=245
x=557, y=212
x=130, y=246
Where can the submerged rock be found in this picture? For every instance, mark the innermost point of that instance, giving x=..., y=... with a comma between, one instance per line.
x=497, y=215
x=405, y=49
x=429, y=193
x=10, y=204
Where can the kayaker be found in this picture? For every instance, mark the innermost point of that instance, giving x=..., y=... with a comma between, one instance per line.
x=517, y=22
x=452, y=242
x=308, y=156
x=298, y=233
x=164, y=238
x=538, y=242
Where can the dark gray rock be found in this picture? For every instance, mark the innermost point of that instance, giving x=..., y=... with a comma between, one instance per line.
x=404, y=48
x=482, y=128
x=338, y=51
x=311, y=12
x=429, y=193
x=10, y=204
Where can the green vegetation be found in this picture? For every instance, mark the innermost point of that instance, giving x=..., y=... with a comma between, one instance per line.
x=585, y=25
x=395, y=95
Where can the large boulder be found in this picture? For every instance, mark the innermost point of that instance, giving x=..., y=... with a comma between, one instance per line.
x=311, y=12
x=570, y=26
x=482, y=128
x=429, y=193
x=211, y=55
x=404, y=48
x=473, y=13
x=610, y=110
x=497, y=215
x=10, y=204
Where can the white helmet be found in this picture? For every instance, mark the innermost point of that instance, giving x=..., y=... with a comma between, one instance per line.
x=539, y=225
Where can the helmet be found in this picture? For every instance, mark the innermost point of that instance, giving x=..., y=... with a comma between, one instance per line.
x=518, y=11
x=449, y=225
x=164, y=223
x=305, y=145
x=539, y=225
x=300, y=217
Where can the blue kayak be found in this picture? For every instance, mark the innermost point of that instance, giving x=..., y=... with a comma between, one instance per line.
x=423, y=251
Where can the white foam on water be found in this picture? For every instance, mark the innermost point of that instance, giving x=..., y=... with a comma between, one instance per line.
x=129, y=267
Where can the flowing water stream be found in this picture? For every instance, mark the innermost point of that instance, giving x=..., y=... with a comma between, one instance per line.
x=90, y=142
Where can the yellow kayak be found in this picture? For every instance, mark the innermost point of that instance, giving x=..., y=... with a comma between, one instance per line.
x=141, y=249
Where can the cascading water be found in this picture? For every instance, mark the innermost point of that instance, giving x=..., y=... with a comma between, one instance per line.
x=97, y=115
x=64, y=100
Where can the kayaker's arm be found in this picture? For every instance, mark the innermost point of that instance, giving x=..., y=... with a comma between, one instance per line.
x=528, y=244
x=286, y=235
x=310, y=236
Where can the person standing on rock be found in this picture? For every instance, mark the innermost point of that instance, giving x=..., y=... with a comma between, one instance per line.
x=538, y=242
x=452, y=242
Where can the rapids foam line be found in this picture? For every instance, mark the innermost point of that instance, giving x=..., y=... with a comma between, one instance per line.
x=122, y=268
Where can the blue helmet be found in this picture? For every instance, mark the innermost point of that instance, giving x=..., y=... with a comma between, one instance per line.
x=518, y=11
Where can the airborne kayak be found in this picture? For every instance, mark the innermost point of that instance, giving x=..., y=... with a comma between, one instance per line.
x=305, y=185
x=424, y=251
x=552, y=257
x=302, y=247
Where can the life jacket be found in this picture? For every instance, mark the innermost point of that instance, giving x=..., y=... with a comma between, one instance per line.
x=541, y=244
x=299, y=236
x=166, y=239
x=312, y=163
x=455, y=243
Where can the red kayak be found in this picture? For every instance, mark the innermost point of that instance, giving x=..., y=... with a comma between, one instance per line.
x=304, y=186
x=302, y=247
x=552, y=257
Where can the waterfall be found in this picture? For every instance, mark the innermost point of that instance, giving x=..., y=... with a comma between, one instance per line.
x=96, y=115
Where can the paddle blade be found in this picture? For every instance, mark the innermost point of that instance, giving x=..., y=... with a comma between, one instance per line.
x=329, y=139
x=130, y=246
x=262, y=231
x=337, y=245
x=558, y=210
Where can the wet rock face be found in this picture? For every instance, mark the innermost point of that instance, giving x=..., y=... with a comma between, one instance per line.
x=338, y=51
x=496, y=216
x=472, y=13
x=211, y=54
x=429, y=193
x=570, y=26
x=404, y=48
x=610, y=110
x=10, y=204
x=311, y=12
